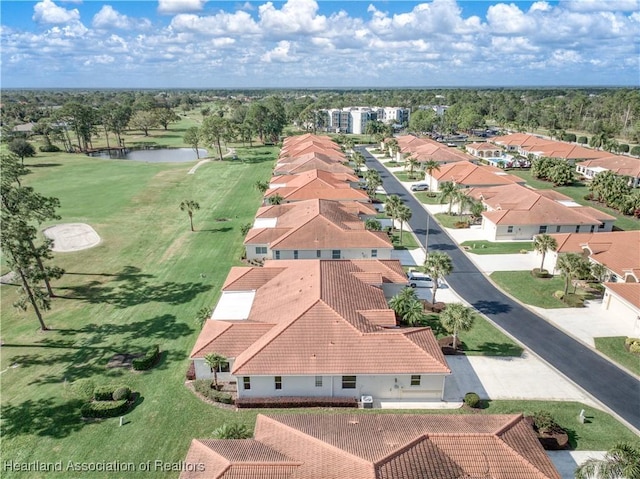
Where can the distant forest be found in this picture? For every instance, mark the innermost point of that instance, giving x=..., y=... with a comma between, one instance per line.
x=608, y=117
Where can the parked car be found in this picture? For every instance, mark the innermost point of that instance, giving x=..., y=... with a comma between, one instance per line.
x=419, y=280
x=420, y=187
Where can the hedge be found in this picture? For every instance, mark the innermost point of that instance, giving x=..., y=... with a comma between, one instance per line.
x=291, y=402
x=83, y=389
x=101, y=409
x=111, y=392
x=538, y=273
x=203, y=386
x=472, y=400
x=148, y=360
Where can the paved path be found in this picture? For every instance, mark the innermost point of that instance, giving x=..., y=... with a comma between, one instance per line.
x=603, y=380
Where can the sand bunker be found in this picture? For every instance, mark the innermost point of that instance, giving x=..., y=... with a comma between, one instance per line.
x=72, y=236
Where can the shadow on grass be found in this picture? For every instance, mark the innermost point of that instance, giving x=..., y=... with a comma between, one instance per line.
x=44, y=165
x=43, y=417
x=130, y=287
x=217, y=230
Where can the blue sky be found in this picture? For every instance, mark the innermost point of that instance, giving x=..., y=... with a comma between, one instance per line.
x=311, y=43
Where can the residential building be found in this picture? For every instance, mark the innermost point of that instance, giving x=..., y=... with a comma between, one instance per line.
x=468, y=175
x=310, y=161
x=318, y=184
x=626, y=166
x=354, y=119
x=515, y=212
x=424, y=149
x=320, y=328
x=315, y=229
x=484, y=150
x=376, y=446
x=537, y=147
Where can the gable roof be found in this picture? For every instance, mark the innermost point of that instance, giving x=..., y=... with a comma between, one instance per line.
x=630, y=292
x=482, y=146
x=620, y=165
x=566, y=151
x=398, y=446
x=469, y=174
x=315, y=184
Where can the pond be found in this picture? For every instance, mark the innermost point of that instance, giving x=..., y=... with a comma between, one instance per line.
x=157, y=155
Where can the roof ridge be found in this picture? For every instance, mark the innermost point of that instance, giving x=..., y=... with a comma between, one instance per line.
x=402, y=449
x=522, y=459
x=228, y=325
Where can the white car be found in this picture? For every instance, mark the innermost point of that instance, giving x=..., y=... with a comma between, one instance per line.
x=420, y=187
x=419, y=280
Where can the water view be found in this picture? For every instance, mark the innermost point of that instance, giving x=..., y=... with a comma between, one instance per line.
x=158, y=155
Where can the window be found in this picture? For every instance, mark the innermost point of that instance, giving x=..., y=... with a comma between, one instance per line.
x=222, y=368
x=278, y=382
x=601, y=226
x=374, y=253
x=558, y=229
x=593, y=228
x=318, y=253
x=277, y=254
x=246, y=382
x=295, y=254
x=415, y=380
x=509, y=229
x=318, y=381
x=261, y=250
x=348, y=382
x=578, y=229
x=542, y=230
x=335, y=254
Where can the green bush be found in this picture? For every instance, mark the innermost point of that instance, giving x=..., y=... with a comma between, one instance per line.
x=103, y=393
x=83, y=389
x=148, y=360
x=100, y=409
x=623, y=147
x=544, y=422
x=50, y=148
x=583, y=140
x=635, y=151
x=472, y=400
x=558, y=294
x=224, y=398
x=122, y=392
x=569, y=137
x=540, y=273
x=633, y=345
x=203, y=386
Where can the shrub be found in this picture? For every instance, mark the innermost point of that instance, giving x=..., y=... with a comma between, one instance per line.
x=83, y=389
x=588, y=197
x=461, y=224
x=224, y=398
x=232, y=431
x=148, y=360
x=203, y=386
x=50, y=148
x=291, y=402
x=524, y=251
x=122, y=392
x=574, y=300
x=100, y=409
x=103, y=393
x=632, y=345
x=623, y=147
x=558, y=294
x=569, y=137
x=582, y=140
x=191, y=372
x=540, y=273
x=472, y=400
x=544, y=423
x=635, y=151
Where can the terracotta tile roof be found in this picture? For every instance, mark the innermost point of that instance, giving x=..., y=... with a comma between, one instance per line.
x=242, y=278
x=317, y=184
x=617, y=250
x=315, y=224
x=329, y=157
x=621, y=165
x=628, y=291
x=407, y=446
x=305, y=148
x=469, y=174
x=517, y=205
x=482, y=146
x=567, y=151
x=228, y=338
x=300, y=166
x=519, y=139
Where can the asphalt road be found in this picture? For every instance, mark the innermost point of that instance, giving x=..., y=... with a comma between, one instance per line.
x=606, y=382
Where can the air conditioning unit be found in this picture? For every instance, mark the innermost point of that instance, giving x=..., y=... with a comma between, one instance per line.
x=367, y=402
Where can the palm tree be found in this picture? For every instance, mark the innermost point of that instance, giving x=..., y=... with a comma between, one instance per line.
x=261, y=185
x=476, y=210
x=543, y=243
x=402, y=302
x=568, y=264
x=373, y=180
x=202, y=315
x=622, y=461
x=437, y=265
x=411, y=162
x=393, y=147
x=404, y=214
x=391, y=208
x=215, y=361
x=190, y=206
x=447, y=193
x=429, y=167
x=462, y=199
x=232, y=431
x=414, y=312
x=457, y=317
x=276, y=199
x=358, y=161
x=372, y=224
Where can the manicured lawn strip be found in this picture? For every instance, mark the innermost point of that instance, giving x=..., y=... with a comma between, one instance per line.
x=534, y=291
x=488, y=247
x=577, y=191
x=408, y=240
x=141, y=286
x=613, y=347
x=405, y=176
x=427, y=198
x=449, y=221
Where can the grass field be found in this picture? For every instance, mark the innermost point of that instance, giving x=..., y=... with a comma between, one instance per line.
x=613, y=347
x=500, y=247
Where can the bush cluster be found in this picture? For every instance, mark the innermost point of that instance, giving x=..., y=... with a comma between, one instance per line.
x=50, y=148
x=540, y=273
x=148, y=360
x=203, y=386
x=633, y=345
x=291, y=402
x=101, y=409
x=472, y=400
x=544, y=423
x=83, y=389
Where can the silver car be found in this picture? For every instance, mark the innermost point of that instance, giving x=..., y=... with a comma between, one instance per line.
x=420, y=187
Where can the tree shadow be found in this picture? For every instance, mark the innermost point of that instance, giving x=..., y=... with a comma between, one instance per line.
x=498, y=349
x=44, y=165
x=491, y=307
x=217, y=230
x=43, y=417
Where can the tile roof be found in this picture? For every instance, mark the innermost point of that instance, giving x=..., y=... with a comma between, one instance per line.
x=518, y=205
x=228, y=338
x=469, y=174
x=482, y=146
x=316, y=184
x=298, y=166
x=617, y=250
x=628, y=291
x=519, y=139
x=315, y=224
x=407, y=446
x=567, y=151
x=621, y=165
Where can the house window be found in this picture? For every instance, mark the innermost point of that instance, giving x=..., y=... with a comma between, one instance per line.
x=578, y=229
x=318, y=253
x=246, y=382
x=277, y=254
x=374, y=253
x=509, y=229
x=415, y=380
x=295, y=254
x=222, y=367
x=348, y=382
x=542, y=230
x=335, y=254
x=318, y=381
x=278, y=382
x=558, y=229
x=601, y=226
x=592, y=229
x=261, y=250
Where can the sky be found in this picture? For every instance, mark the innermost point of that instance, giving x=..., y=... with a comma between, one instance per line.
x=318, y=44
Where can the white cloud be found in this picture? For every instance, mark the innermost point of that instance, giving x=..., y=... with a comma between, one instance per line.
x=280, y=54
x=108, y=18
x=296, y=16
x=48, y=12
x=168, y=7
x=238, y=23
x=99, y=60
x=601, y=6
x=508, y=19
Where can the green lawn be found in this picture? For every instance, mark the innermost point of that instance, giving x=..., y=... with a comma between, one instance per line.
x=405, y=176
x=427, y=198
x=449, y=221
x=530, y=290
x=577, y=192
x=408, y=240
x=613, y=347
x=489, y=247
